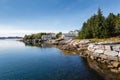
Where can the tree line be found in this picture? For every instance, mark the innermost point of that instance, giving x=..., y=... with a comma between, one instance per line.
x=39, y=35
x=99, y=26
x=35, y=36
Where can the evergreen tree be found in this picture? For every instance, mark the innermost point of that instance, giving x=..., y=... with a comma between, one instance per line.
x=110, y=21
x=117, y=28
x=98, y=26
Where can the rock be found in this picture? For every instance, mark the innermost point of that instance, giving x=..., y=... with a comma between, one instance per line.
x=102, y=56
x=116, y=64
x=103, y=61
x=119, y=54
x=96, y=47
x=113, y=58
x=84, y=42
x=68, y=41
x=78, y=49
x=99, y=51
x=75, y=44
x=114, y=70
x=108, y=47
x=98, y=59
x=91, y=47
x=110, y=66
x=119, y=68
x=92, y=57
x=96, y=55
x=111, y=53
x=102, y=47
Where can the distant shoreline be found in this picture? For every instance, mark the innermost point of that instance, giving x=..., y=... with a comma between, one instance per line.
x=11, y=37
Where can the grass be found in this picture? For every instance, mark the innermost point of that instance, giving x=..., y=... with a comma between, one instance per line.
x=113, y=39
x=96, y=40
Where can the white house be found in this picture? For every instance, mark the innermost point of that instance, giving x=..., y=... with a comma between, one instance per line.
x=71, y=35
x=48, y=36
x=75, y=33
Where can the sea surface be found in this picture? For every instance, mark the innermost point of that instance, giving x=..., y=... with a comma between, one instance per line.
x=21, y=62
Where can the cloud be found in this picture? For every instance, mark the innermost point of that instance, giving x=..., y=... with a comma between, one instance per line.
x=20, y=32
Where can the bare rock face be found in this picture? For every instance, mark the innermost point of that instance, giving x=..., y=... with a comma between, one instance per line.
x=106, y=53
x=77, y=45
x=104, y=57
x=98, y=51
x=119, y=54
x=91, y=47
x=96, y=56
x=111, y=53
x=116, y=64
x=113, y=58
x=108, y=47
x=115, y=70
x=92, y=57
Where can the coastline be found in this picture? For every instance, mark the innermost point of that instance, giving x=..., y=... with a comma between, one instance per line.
x=104, y=53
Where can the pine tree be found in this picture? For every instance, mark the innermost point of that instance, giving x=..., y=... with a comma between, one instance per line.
x=110, y=21
x=117, y=22
x=98, y=26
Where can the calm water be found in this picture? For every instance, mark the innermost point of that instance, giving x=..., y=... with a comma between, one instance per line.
x=20, y=62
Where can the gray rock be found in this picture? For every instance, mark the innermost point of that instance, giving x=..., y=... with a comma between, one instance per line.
x=99, y=51
x=119, y=54
x=102, y=56
x=96, y=55
x=108, y=47
x=113, y=58
x=111, y=53
x=91, y=48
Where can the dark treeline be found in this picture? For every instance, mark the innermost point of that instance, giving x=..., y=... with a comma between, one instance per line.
x=99, y=26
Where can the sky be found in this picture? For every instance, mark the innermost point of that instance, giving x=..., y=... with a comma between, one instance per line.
x=20, y=17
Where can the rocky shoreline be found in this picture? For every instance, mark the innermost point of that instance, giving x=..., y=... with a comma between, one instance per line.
x=103, y=53
x=107, y=53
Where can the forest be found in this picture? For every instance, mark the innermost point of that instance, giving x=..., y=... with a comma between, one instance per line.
x=99, y=26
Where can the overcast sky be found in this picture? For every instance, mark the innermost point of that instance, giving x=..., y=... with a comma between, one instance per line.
x=19, y=17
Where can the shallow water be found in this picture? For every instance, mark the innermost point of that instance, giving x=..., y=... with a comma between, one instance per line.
x=20, y=62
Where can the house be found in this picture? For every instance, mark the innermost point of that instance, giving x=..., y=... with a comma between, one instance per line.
x=75, y=32
x=53, y=35
x=71, y=35
x=48, y=36
x=68, y=36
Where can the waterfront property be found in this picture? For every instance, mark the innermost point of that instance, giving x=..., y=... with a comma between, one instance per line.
x=49, y=36
x=70, y=35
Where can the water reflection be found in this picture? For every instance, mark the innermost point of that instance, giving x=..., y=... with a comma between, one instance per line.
x=88, y=65
x=39, y=45
x=103, y=70
x=92, y=66
x=33, y=63
x=84, y=68
x=98, y=68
